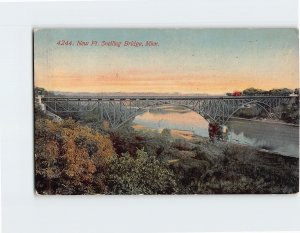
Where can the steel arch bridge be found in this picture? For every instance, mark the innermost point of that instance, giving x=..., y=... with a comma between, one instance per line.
x=119, y=109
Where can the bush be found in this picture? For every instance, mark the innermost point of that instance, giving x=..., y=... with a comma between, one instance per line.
x=130, y=141
x=200, y=154
x=182, y=144
x=166, y=133
x=290, y=113
x=141, y=175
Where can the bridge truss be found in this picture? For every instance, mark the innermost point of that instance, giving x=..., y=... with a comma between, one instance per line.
x=117, y=110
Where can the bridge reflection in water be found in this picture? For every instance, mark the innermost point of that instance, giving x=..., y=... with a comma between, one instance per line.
x=119, y=109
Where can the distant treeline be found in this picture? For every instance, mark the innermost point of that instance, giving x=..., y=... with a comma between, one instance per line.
x=247, y=92
x=254, y=91
x=42, y=91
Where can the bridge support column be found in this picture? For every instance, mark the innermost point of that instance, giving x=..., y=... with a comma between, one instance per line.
x=42, y=106
x=225, y=132
x=215, y=131
x=98, y=114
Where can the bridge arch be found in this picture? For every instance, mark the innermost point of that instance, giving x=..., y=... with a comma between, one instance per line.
x=141, y=110
x=258, y=103
x=206, y=116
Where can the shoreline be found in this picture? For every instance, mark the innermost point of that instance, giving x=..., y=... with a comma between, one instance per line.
x=269, y=121
x=193, y=138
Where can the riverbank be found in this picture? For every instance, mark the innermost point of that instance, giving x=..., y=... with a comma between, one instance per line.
x=220, y=167
x=244, y=134
x=175, y=133
x=265, y=120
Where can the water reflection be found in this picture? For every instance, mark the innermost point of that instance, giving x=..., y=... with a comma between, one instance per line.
x=280, y=138
x=173, y=118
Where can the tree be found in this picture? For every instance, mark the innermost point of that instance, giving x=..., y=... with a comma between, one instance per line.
x=281, y=91
x=67, y=157
x=253, y=91
x=40, y=91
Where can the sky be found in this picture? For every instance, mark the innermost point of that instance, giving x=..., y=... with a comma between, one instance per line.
x=211, y=61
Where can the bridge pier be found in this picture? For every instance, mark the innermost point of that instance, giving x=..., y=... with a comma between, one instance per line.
x=40, y=103
x=215, y=131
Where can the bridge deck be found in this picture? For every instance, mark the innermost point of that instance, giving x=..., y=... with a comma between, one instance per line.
x=159, y=97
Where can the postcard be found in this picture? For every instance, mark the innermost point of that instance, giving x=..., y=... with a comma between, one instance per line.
x=166, y=111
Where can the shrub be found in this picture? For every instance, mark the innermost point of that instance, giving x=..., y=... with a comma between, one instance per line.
x=182, y=144
x=166, y=133
x=200, y=154
x=141, y=175
x=130, y=141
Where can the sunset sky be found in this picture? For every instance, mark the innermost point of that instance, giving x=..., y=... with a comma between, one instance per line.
x=212, y=61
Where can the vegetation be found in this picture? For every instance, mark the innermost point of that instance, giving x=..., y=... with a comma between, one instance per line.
x=254, y=91
x=290, y=113
x=241, y=170
x=68, y=156
x=143, y=174
x=279, y=91
x=203, y=167
x=40, y=91
x=282, y=91
x=74, y=159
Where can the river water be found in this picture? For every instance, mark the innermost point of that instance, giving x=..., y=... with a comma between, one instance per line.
x=275, y=137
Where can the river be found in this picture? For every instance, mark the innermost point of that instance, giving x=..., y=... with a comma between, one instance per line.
x=275, y=137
